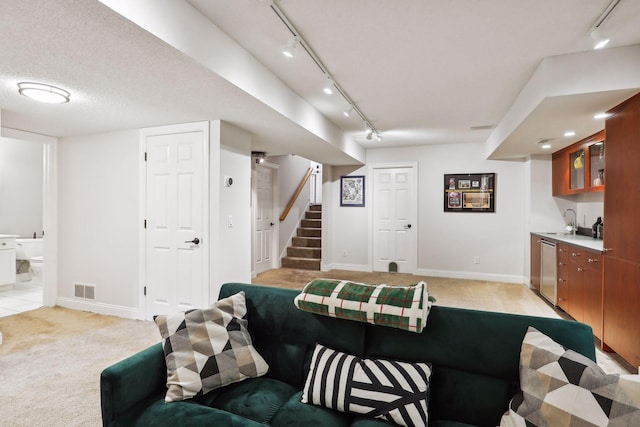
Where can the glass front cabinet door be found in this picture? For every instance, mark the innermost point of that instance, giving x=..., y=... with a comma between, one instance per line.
x=576, y=170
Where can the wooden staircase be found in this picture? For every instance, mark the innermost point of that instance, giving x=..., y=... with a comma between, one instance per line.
x=305, y=253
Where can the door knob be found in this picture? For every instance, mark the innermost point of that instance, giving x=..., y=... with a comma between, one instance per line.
x=407, y=226
x=271, y=225
x=195, y=241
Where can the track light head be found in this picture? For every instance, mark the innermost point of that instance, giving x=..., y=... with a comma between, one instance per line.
x=292, y=43
x=600, y=39
x=258, y=156
x=328, y=89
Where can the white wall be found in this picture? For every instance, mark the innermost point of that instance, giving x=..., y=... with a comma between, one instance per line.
x=21, y=187
x=231, y=259
x=291, y=171
x=98, y=220
x=447, y=242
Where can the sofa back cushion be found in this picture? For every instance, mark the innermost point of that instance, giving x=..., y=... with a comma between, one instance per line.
x=475, y=357
x=475, y=354
x=286, y=337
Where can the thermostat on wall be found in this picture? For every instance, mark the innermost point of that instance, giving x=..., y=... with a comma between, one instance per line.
x=228, y=181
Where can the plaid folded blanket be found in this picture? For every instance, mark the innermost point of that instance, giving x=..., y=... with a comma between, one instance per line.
x=403, y=307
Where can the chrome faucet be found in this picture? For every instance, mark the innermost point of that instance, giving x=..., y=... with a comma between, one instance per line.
x=573, y=224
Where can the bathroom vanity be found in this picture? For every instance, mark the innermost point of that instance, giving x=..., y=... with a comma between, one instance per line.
x=7, y=261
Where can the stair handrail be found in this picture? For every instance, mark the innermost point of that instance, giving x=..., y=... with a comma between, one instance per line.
x=296, y=195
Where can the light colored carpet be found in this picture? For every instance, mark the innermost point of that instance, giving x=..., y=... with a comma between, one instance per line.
x=51, y=358
x=50, y=364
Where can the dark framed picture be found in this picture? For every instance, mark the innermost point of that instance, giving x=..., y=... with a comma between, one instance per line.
x=352, y=191
x=470, y=192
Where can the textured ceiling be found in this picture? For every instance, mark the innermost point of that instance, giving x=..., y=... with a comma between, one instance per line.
x=423, y=72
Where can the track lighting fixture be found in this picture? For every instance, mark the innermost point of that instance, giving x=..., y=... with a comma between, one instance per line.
x=378, y=137
x=331, y=86
x=292, y=43
x=600, y=39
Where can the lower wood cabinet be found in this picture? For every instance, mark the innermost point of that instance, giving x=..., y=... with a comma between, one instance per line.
x=585, y=288
x=622, y=308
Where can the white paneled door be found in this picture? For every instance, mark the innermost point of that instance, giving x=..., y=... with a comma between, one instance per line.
x=175, y=223
x=394, y=219
x=264, y=220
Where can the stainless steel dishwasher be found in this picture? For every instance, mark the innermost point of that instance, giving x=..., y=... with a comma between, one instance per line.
x=549, y=272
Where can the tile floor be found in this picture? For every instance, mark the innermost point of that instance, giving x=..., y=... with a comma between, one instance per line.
x=24, y=296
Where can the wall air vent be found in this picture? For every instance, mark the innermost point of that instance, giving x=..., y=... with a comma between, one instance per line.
x=85, y=291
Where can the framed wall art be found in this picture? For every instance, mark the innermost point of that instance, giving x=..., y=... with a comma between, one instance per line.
x=352, y=191
x=470, y=192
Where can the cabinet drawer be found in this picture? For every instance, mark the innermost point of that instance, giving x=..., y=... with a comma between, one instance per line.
x=7, y=243
x=563, y=253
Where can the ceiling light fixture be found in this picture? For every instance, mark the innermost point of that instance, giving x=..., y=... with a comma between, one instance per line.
x=347, y=113
x=599, y=38
x=545, y=146
x=292, y=43
x=44, y=92
x=258, y=156
x=298, y=40
x=599, y=116
x=569, y=133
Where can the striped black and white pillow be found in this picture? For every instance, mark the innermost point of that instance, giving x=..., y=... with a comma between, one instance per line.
x=394, y=391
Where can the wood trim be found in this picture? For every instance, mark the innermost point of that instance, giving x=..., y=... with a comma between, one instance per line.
x=635, y=99
x=296, y=195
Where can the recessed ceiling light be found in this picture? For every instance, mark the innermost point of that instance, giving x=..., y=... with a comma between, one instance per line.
x=43, y=92
x=569, y=133
x=545, y=146
x=601, y=116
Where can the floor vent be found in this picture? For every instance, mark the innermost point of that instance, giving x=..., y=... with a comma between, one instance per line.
x=85, y=291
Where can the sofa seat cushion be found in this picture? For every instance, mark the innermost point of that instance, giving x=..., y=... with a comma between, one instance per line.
x=188, y=413
x=369, y=422
x=257, y=399
x=294, y=413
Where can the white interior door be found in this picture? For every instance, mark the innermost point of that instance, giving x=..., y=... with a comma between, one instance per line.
x=264, y=220
x=394, y=219
x=175, y=223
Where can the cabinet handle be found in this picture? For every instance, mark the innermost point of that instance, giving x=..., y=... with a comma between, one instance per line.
x=538, y=241
x=580, y=269
x=605, y=250
x=593, y=260
x=560, y=263
x=560, y=280
x=575, y=254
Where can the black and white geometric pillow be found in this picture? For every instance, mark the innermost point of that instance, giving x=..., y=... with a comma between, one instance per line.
x=208, y=348
x=561, y=387
x=397, y=392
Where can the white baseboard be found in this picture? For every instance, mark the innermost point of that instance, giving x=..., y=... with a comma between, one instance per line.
x=349, y=267
x=100, y=308
x=470, y=275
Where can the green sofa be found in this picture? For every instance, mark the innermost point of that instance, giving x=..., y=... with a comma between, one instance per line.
x=475, y=358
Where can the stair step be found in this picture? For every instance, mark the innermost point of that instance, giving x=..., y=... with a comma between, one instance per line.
x=315, y=208
x=309, y=232
x=301, y=252
x=302, y=263
x=313, y=215
x=307, y=242
x=311, y=223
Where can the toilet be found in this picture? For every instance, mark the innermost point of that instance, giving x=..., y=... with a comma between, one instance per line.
x=36, y=264
x=31, y=250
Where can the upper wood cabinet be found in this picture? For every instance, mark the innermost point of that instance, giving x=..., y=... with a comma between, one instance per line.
x=579, y=168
